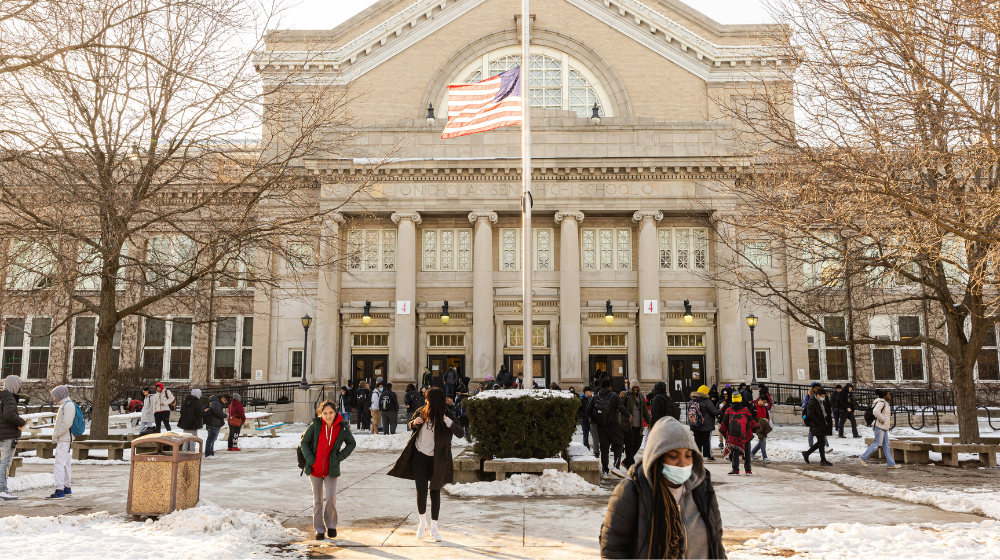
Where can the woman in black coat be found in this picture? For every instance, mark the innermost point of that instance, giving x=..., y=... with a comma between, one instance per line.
x=191, y=419
x=819, y=415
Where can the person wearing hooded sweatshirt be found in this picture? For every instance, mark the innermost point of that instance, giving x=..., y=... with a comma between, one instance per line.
x=666, y=508
x=847, y=404
x=236, y=419
x=661, y=405
x=325, y=444
x=635, y=403
x=737, y=427
x=191, y=417
x=63, y=439
x=10, y=429
x=161, y=406
x=703, y=432
x=215, y=417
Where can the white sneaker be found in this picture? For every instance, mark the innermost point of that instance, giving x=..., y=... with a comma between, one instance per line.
x=420, y=531
x=829, y=449
x=605, y=475
x=7, y=496
x=617, y=471
x=435, y=536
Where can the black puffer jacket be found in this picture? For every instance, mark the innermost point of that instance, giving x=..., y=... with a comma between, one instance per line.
x=10, y=422
x=191, y=414
x=820, y=417
x=660, y=404
x=708, y=410
x=215, y=415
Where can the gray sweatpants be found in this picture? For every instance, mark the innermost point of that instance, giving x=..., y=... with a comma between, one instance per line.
x=324, y=518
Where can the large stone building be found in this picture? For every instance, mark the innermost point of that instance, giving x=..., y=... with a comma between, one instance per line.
x=623, y=215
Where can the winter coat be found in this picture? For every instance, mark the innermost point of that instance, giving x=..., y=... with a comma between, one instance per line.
x=763, y=418
x=413, y=400
x=342, y=447
x=581, y=413
x=627, y=523
x=820, y=417
x=215, y=415
x=162, y=400
x=345, y=403
x=661, y=405
x=362, y=399
x=64, y=421
x=847, y=401
x=10, y=421
x=451, y=377
x=388, y=402
x=738, y=425
x=505, y=379
x=236, y=411
x=444, y=469
x=708, y=410
x=631, y=399
x=148, y=410
x=883, y=414
x=191, y=414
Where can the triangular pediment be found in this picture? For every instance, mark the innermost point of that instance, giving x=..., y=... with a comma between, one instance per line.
x=389, y=36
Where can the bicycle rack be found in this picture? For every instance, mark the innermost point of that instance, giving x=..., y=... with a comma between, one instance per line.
x=989, y=416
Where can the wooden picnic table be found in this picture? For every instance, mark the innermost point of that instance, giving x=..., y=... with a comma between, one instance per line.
x=36, y=421
x=124, y=420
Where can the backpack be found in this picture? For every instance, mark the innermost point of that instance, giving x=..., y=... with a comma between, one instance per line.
x=385, y=403
x=301, y=458
x=696, y=418
x=78, y=426
x=805, y=416
x=870, y=415
x=602, y=413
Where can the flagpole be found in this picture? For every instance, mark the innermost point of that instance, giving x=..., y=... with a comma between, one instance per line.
x=526, y=254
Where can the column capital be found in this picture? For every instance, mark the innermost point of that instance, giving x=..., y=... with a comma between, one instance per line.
x=476, y=216
x=337, y=217
x=397, y=216
x=577, y=214
x=641, y=215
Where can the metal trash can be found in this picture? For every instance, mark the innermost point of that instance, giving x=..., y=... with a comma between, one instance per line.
x=163, y=478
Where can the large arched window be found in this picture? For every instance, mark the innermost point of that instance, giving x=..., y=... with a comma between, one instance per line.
x=556, y=80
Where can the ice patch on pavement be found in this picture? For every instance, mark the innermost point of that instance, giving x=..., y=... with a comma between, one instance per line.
x=206, y=531
x=550, y=483
x=843, y=541
x=965, y=501
x=25, y=482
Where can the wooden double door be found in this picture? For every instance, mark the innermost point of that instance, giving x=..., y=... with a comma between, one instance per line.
x=603, y=365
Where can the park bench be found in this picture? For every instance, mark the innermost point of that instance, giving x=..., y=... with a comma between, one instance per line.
x=985, y=440
x=503, y=467
x=949, y=452
x=14, y=464
x=584, y=464
x=466, y=466
x=272, y=428
x=44, y=448
x=911, y=452
x=115, y=447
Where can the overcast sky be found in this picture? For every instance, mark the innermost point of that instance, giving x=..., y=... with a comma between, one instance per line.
x=326, y=14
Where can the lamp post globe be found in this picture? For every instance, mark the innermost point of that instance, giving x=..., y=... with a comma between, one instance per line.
x=306, y=322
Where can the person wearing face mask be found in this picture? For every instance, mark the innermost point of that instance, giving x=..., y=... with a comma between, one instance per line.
x=667, y=507
x=820, y=419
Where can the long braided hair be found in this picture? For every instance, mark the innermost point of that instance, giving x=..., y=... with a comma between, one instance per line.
x=666, y=531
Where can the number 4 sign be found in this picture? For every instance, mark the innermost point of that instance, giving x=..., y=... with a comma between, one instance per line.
x=650, y=307
x=402, y=308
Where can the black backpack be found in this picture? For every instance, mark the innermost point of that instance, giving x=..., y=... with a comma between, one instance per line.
x=870, y=415
x=602, y=413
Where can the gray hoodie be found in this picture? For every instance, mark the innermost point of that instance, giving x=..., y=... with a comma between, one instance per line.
x=65, y=416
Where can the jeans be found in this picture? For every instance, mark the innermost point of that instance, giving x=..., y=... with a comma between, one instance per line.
x=449, y=389
x=347, y=416
x=6, y=456
x=836, y=418
x=762, y=446
x=162, y=417
x=596, y=437
x=324, y=517
x=213, y=436
x=844, y=417
x=703, y=440
x=585, y=426
x=881, y=440
x=826, y=442
x=745, y=452
x=189, y=446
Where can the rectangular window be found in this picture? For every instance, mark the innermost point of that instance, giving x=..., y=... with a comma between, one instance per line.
x=762, y=363
x=510, y=248
x=370, y=340
x=170, y=260
x=757, y=253
x=609, y=340
x=446, y=341
x=814, y=364
x=35, y=346
x=116, y=347
x=31, y=267
x=912, y=364
x=84, y=344
x=987, y=365
x=447, y=249
x=233, y=347
x=588, y=260
x=606, y=249
x=89, y=268
x=235, y=274
x=295, y=364
x=180, y=348
x=909, y=327
x=300, y=255
x=371, y=250
x=686, y=340
x=836, y=330
x=683, y=248
x=883, y=364
x=836, y=364
x=166, y=346
x=515, y=336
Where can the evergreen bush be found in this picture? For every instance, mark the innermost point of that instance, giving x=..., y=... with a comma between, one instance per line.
x=533, y=424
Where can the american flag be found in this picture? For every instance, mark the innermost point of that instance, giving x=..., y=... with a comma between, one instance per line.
x=484, y=105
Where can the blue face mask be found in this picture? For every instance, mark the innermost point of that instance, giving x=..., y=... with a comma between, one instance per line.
x=676, y=475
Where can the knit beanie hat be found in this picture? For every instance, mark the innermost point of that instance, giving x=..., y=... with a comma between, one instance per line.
x=60, y=393
x=703, y=389
x=737, y=397
x=634, y=384
x=237, y=397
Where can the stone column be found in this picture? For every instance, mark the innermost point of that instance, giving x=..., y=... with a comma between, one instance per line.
x=649, y=289
x=570, y=368
x=482, y=295
x=327, y=322
x=405, y=335
x=732, y=352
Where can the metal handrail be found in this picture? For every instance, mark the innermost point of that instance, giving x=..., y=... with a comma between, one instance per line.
x=989, y=416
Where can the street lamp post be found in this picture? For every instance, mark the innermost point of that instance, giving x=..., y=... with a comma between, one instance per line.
x=752, y=322
x=306, y=321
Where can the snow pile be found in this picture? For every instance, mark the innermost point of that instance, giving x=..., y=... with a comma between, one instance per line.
x=206, y=531
x=519, y=393
x=550, y=483
x=964, y=501
x=781, y=453
x=394, y=442
x=578, y=451
x=30, y=482
x=842, y=541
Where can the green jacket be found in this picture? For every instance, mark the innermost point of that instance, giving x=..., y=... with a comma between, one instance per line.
x=342, y=448
x=629, y=401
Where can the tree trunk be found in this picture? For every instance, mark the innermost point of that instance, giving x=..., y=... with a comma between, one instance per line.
x=965, y=402
x=107, y=321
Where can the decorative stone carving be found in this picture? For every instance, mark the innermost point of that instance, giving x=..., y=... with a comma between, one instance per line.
x=569, y=214
x=397, y=216
x=475, y=217
x=640, y=215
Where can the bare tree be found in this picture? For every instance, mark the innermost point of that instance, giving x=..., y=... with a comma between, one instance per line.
x=873, y=181
x=144, y=169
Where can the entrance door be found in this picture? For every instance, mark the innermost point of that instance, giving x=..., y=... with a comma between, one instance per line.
x=603, y=365
x=369, y=368
x=687, y=373
x=515, y=364
x=439, y=364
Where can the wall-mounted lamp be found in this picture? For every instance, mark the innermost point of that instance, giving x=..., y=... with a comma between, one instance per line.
x=609, y=314
x=444, y=313
x=366, y=317
x=430, y=114
x=595, y=114
x=688, y=316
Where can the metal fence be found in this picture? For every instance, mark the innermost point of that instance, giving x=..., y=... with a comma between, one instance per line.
x=253, y=396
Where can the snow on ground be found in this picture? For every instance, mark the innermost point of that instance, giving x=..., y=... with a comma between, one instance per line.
x=518, y=393
x=842, y=541
x=967, y=500
x=550, y=483
x=203, y=532
x=32, y=460
x=25, y=482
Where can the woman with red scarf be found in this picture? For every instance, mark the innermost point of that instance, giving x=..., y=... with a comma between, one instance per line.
x=326, y=442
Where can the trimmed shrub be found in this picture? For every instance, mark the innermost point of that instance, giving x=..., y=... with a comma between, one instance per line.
x=532, y=424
